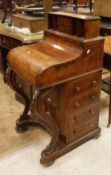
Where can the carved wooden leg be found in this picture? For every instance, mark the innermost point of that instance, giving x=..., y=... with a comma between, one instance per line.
x=44, y=117
x=22, y=122
x=41, y=115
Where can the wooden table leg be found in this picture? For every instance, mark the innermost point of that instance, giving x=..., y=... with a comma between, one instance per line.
x=22, y=122
x=90, y=5
x=75, y=5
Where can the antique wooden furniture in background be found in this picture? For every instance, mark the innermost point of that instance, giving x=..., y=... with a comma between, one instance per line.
x=105, y=26
x=106, y=82
x=34, y=23
x=102, y=8
x=60, y=2
x=65, y=69
x=8, y=5
x=82, y=3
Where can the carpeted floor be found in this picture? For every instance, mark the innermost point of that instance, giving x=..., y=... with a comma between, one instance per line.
x=10, y=109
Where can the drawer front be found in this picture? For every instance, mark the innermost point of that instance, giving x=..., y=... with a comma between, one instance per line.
x=9, y=42
x=82, y=92
x=81, y=131
x=77, y=103
x=77, y=119
x=78, y=86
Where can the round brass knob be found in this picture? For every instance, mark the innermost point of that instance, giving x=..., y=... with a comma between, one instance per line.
x=77, y=89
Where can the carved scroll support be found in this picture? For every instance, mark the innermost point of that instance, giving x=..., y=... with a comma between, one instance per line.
x=45, y=118
x=21, y=123
x=40, y=115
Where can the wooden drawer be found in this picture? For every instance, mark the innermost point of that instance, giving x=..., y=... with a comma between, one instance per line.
x=82, y=92
x=72, y=100
x=78, y=132
x=77, y=103
x=76, y=119
x=78, y=86
x=9, y=43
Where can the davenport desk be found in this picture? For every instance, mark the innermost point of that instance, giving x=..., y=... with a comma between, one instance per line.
x=65, y=69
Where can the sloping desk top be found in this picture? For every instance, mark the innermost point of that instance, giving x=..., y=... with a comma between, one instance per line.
x=13, y=32
x=45, y=56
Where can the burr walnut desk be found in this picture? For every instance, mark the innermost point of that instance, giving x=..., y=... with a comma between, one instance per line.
x=65, y=69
